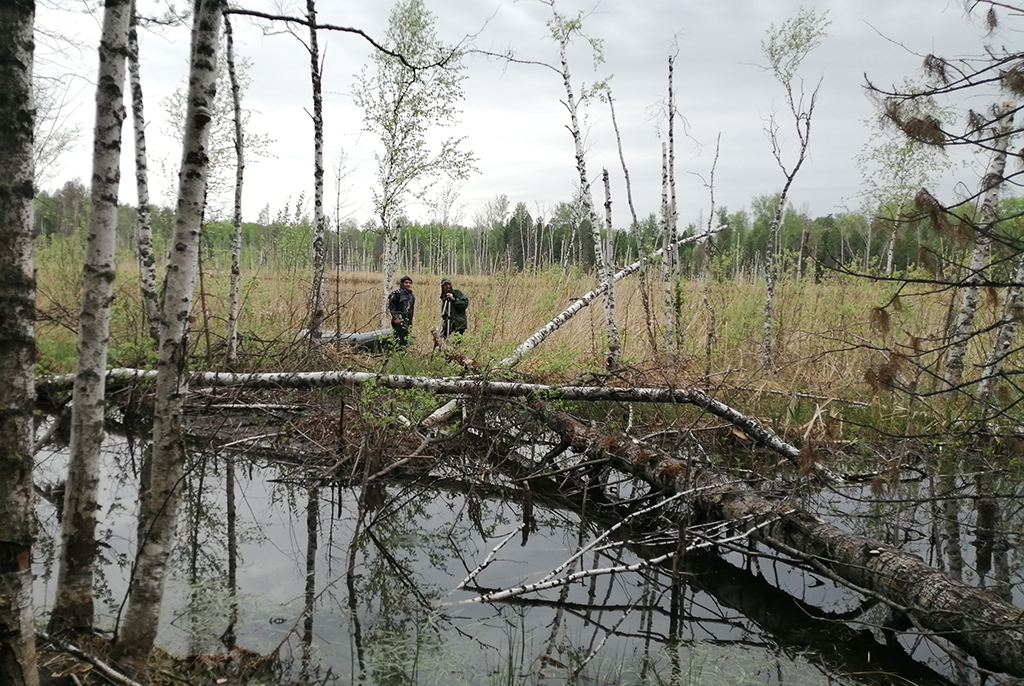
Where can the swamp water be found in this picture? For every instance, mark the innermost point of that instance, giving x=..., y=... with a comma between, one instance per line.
x=393, y=610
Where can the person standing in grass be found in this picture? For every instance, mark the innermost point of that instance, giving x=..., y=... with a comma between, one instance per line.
x=402, y=305
x=453, y=309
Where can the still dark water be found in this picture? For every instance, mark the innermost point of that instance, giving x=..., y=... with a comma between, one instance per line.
x=394, y=608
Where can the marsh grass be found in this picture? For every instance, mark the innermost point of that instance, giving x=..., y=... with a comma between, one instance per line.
x=830, y=340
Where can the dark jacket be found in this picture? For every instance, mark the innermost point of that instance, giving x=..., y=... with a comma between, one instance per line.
x=453, y=312
x=402, y=306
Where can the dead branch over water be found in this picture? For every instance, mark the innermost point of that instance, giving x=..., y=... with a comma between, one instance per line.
x=988, y=628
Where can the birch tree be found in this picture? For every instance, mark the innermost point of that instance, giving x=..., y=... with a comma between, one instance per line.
x=316, y=292
x=670, y=220
x=785, y=48
x=221, y=181
x=996, y=258
x=162, y=475
x=961, y=332
x=234, y=287
x=894, y=168
x=1006, y=330
x=144, y=250
x=403, y=100
x=73, y=604
x=669, y=265
x=562, y=30
x=17, y=345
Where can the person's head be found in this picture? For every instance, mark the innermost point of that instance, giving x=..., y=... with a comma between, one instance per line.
x=405, y=282
x=446, y=284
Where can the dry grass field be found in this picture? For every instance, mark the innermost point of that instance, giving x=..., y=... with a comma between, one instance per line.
x=830, y=341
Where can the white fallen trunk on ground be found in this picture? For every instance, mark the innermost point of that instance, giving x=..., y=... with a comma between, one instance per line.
x=469, y=387
x=565, y=315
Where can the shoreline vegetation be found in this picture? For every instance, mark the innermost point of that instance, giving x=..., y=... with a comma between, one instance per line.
x=833, y=355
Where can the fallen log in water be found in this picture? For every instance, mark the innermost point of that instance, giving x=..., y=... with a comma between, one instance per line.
x=983, y=625
x=468, y=387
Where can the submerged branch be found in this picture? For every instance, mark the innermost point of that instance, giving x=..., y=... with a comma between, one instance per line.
x=973, y=619
x=108, y=672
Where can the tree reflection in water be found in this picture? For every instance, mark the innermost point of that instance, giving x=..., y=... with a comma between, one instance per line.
x=358, y=581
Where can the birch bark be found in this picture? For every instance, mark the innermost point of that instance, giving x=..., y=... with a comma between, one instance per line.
x=17, y=345
x=961, y=332
x=144, y=251
x=614, y=342
x=668, y=261
x=161, y=482
x=786, y=47
x=234, y=288
x=316, y=295
x=562, y=30
x=1006, y=330
x=73, y=604
x=672, y=333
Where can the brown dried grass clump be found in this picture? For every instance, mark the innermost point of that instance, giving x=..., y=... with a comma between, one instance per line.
x=1013, y=80
x=925, y=129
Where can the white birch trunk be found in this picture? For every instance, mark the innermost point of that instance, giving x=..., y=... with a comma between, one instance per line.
x=73, y=604
x=17, y=345
x=890, y=249
x=614, y=343
x=604, y=266
x=160, y=492
x=234, y=288
x=316, y=295
x=390, y=258
x=668, y=262
x=770, y=273
x=538, y=337
x=962, y=332
x=475, y=387
x=144, y=251
x=673, y=214
x=1006, y=330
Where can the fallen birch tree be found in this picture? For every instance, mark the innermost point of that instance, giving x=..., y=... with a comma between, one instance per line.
x=934, y=603
x=565, y=315
x=464, y=387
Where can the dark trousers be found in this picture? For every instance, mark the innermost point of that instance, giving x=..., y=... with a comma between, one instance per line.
x=447, y=330
x=401, y=334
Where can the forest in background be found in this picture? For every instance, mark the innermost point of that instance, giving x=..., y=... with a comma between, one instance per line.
x=850, y=242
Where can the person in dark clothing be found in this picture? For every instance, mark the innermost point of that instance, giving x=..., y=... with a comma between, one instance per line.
x=453, y=309
x=402, y=305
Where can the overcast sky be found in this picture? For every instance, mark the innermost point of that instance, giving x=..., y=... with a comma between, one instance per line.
x=512, y=115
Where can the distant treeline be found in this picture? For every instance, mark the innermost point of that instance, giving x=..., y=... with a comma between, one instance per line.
x=810, y=247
